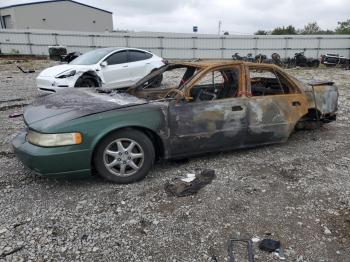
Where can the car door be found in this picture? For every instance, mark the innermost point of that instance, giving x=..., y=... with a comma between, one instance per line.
x=139, y=63
x=210, y=125
x=116, y=73
x=274, y=108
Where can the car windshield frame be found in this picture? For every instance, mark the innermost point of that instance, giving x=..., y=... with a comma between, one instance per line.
x=92, y=57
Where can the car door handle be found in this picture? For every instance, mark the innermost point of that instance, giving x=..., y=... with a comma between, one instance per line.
x=148, y=63
x=125, y=66
x=237, y=108
x=296, y=103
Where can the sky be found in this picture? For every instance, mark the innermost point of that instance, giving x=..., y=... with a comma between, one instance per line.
x=237, y=16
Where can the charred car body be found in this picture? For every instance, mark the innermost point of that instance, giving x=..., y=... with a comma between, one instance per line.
x=209, y=106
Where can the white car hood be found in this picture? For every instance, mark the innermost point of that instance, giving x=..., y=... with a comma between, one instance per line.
x=55, y=70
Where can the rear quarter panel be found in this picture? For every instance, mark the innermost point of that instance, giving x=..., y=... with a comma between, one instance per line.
x=326, y=98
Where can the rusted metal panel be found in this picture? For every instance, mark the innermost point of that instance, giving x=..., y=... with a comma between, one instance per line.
x=195, y=127
x=326, y=98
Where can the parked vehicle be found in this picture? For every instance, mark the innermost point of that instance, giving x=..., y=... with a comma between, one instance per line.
x=301, y=60
x=108, y=68
x=334, y=60
x=209, y=107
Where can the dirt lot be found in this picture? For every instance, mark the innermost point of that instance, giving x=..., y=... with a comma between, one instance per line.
x=297, y=192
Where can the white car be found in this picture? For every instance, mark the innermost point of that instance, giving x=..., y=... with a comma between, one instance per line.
x=108, y=68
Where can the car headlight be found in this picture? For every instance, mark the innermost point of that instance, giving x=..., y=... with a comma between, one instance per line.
x=51, y=140
x=66, y=74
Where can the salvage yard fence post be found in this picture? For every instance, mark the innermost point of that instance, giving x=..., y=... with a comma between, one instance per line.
x=175, y=45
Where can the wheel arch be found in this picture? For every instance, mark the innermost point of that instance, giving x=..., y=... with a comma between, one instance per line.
x=307, y=121
x=93, y=75
x=312, y=114
x=151, y=134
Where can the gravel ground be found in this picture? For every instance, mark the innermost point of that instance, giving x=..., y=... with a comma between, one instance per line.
x=297, y=192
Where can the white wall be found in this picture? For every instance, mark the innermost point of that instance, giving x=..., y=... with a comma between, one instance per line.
x=175, y=46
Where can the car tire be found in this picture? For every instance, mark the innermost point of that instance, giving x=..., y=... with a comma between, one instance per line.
x=124, y=156
x=85, y=81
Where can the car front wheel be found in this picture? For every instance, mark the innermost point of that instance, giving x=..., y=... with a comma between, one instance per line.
x=124, y=156
x=85, y=81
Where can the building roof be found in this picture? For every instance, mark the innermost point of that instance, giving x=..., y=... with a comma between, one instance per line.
x=54, y=1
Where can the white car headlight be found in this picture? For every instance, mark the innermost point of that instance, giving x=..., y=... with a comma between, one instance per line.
x=51, y=140
x=66, y=74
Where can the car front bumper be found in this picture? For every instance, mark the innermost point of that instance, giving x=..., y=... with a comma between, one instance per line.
x=52, y=84
x=52, y=161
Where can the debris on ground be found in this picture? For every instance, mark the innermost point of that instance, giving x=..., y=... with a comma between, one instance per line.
x=16, y=114
x=269, y=245
x=280, y=254
x=189, y=184
x=24, y=71
x=7, y=253
x=232, y=252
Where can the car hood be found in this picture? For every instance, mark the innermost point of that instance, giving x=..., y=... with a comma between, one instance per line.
x=73, y=103
x=55, y=70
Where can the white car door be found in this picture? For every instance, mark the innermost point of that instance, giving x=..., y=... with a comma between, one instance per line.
x=117, y=72
x=139, y=63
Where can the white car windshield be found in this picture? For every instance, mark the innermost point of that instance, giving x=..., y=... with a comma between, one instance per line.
x=91, y=57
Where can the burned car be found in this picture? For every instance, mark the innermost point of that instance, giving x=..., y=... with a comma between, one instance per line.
x=200, y=107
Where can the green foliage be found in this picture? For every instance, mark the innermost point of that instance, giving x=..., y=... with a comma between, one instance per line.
x=261, y=32
x=311, y=29
x=289, y=30
x=343, y=27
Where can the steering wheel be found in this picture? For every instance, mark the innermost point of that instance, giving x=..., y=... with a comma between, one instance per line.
x=212, y=95
x=179, y=94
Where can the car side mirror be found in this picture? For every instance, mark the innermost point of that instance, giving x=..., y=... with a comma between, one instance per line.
x=104, y=64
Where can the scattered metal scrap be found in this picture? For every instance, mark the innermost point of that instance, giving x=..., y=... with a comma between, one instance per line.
x=231, y=251
x=191, y=184
x=24, y=71
x=16, y=249
x=299, y=59
x=15, y=114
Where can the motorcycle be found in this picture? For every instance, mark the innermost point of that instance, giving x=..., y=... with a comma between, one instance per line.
x=276, y=59
x=248, y=58
x=301, y=60
x=260, y=58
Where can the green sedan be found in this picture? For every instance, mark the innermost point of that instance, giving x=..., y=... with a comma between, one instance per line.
x=200, y=107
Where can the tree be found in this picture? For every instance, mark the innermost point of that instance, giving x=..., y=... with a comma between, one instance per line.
x=261, y=32
x=343, y=27
x=289, y=30
x=311, y=29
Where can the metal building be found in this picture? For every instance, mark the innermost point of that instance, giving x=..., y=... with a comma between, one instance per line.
x=65, y=15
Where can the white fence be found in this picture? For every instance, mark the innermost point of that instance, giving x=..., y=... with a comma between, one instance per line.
x=175, y=45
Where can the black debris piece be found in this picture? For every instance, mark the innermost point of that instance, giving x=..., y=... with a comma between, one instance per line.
x=5, y=254
x=17, y=114
x=185, y=186
x=269, y=245
x=24, y=71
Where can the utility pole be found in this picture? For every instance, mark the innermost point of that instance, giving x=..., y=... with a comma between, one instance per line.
x=219, y=29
